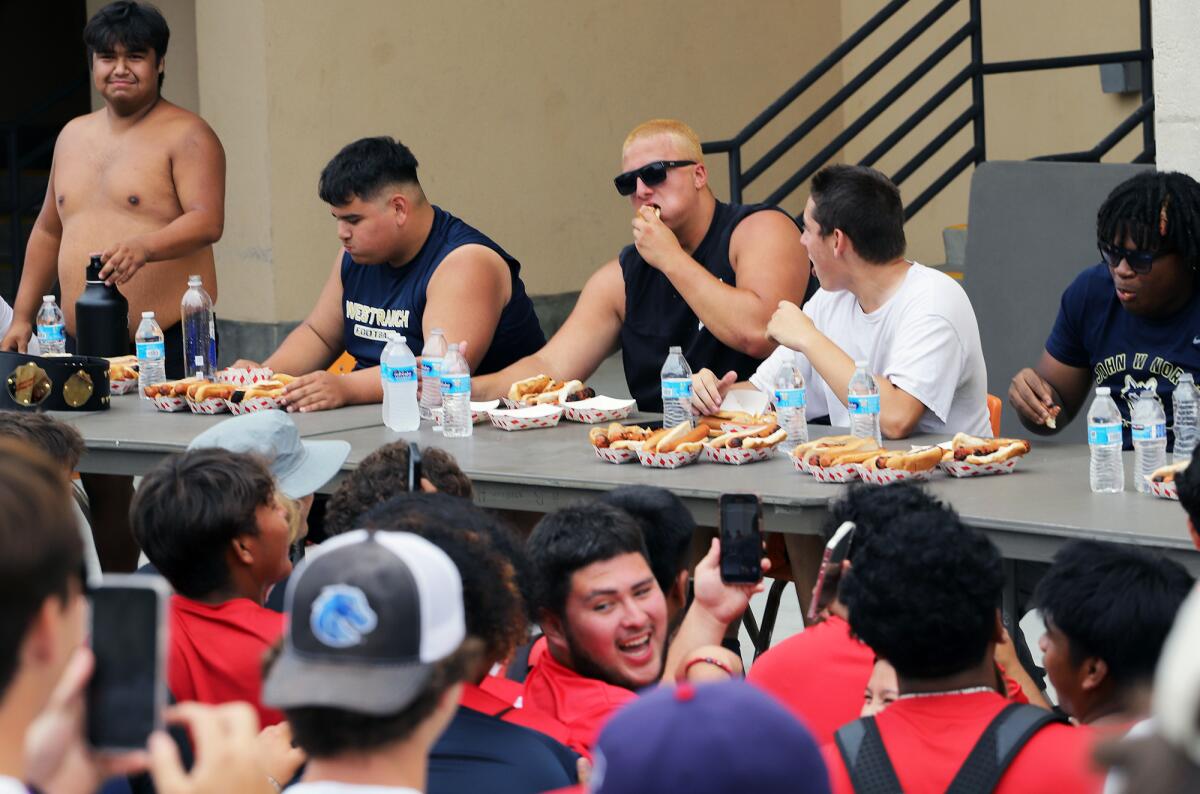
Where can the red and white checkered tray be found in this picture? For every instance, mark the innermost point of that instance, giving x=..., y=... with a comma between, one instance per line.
x=959, y=469
x=598, y=409
x=123, y=386
x=244, y=377
x=531, y=418
x=213, y=405
x=888, y=476
x=170, y=404
x=737, y=456
x=479, y=412
x=667, y=460
x=1164, y=490
x=842, y=473
x=252, y=404
x=610, y=455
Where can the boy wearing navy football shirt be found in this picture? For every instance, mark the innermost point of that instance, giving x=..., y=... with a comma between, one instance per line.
x=1132, y=322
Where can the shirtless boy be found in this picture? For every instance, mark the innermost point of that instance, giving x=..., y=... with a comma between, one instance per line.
x=141, y=181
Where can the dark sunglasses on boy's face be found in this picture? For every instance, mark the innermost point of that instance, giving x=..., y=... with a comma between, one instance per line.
x=1140, y=262
x=651, y=174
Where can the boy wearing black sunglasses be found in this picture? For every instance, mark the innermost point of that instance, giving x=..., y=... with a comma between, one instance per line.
x=700, y=274
x=1131, y=322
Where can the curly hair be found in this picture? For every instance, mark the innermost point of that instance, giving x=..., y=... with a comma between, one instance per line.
x=384, y=472
x=1158, y=211
x=1116, y=603
x=494, y=605
x=924, y=594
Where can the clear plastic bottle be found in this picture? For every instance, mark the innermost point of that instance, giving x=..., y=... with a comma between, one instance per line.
x=151, y=353
x=431, y=372
x=398, y=370
x=789, y=399
x=863, y=404
x=1149, y=439
x=1185, y=401
x=51, y=330
x=676, y=388
x=1107, y=469
x=199, y=333
x=456, y=395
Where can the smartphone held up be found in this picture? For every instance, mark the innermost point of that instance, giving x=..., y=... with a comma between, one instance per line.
x=741, y=538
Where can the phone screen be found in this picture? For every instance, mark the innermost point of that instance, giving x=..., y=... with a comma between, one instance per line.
x=128, y=689
x=741, y=538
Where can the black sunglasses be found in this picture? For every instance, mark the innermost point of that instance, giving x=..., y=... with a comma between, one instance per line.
x=414, y=467
x=1140, y=262
x=651, y=174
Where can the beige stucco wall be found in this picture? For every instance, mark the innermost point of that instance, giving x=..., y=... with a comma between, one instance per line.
x=1028, y=114
x=1177, y=85
x=516, y=111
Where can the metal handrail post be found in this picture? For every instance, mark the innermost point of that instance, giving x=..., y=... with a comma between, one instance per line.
x=977, y=80
x=1147, y=74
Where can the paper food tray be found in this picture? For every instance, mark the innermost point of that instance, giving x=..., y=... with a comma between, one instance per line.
x=610, y=455
x=598, y=409
x=1164, y=490
x=213, y=405
x=667, y=460
x=124, y=386
x=888, y=476
x=538, y=416
x=170, y=404
x=480, y=411
x=252, y=404
x=959, y=469
x=844, y=472
x=244, y=377
x=737, y=456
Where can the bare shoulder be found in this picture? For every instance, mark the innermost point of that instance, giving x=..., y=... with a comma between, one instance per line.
x=79, y=128
x=767, y=225
x=605, y=289
x=183, y=127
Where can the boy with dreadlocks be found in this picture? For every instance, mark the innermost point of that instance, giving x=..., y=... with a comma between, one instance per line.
x=1131, y=322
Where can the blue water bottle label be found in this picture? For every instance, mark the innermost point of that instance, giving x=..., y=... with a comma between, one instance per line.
x=52, y=333
x=677, y=388
x=789, y=398
x=863, y=403
x=1149, y=432
x=151, y=351
x=406, y=374
x=1101, y=435
x=431, y=368
x=456, y=384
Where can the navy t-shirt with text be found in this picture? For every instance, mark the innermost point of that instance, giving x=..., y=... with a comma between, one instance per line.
x=1127, y=353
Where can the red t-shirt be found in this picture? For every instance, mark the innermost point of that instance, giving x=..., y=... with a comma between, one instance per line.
x=819, y=675
x=216, y=652
x=478, y=698
x=929, y=738
x=582, y=704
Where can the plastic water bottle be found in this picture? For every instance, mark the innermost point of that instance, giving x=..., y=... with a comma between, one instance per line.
x=1184, y=400
x=863, y=404
x=789, y=403
x=1149, y=439
x=199, y=333
x=51, y=330
x=398, y=370
x=1107, y=469
x=431, y=372
x=456, y=395
x=151, y=353
x=676, y=388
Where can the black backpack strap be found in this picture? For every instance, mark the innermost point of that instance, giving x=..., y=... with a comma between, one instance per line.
x=1002, y=740
x=518, y=668
x=866, y=759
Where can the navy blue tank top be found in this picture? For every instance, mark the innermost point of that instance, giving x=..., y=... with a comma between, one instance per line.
x=378, y=299
x=656, y=317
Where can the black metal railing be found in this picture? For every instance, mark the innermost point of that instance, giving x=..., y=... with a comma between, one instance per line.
x=17, y=159
x=973, y=115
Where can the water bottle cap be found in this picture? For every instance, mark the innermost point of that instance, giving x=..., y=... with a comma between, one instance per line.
x=674, y=349
x=1187, y=376
x=195, y=281
x=453, y=348
x=437, y=332
x=1103, y=391
x=397, y=337
x=48, y=298
x=860, y=364
x=147, y=315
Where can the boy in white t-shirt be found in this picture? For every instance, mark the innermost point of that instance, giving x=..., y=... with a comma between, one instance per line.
x=914, y=326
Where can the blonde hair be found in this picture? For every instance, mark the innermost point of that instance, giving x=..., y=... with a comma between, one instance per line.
x=296, y=525
x=685, y=136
